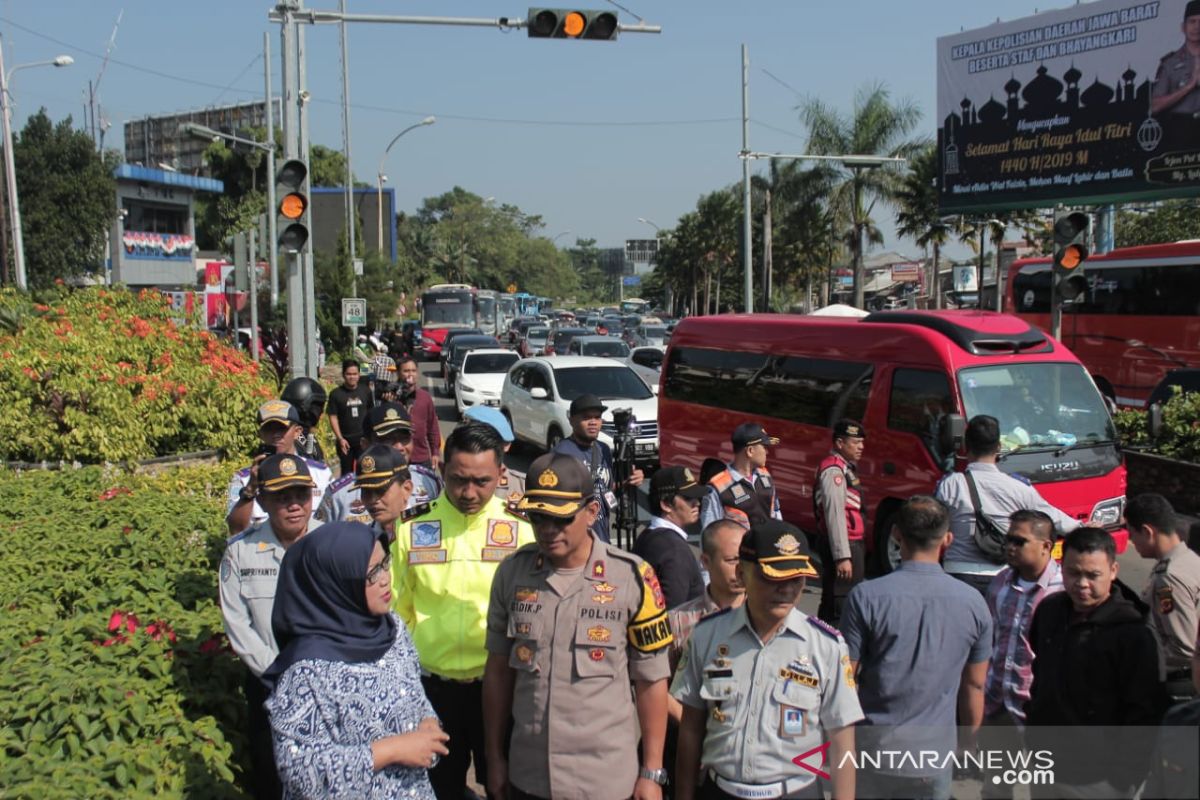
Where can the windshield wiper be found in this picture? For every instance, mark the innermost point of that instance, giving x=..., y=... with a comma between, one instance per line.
x=1066, y=448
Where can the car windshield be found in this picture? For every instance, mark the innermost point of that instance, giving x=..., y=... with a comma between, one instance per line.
x=607, y=383
x=489, y=362
x=610, y=349
x=537, y=335
x=1038, y=405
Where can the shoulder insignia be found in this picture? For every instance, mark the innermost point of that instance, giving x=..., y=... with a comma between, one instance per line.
x=511, y=509
x=1019, y=478
x=342, y=482
x=243, y=473
x=822, y=625
x=721, y=479
x=415, y=511
x=714, y=615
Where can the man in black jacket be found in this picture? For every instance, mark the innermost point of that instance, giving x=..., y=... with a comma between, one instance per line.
x=675, y=495
x=1096, y=664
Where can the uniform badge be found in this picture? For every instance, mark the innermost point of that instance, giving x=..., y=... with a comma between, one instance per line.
x=787, y=545
x=837, y=479
x=602, y=598
x=391, y=414
x=604, y=588
x=525, y=594
x=523, y=628
x=722, y=650
x=848, y=672
x=719, y=715
x=791, y=721
x=524, y=653
x=660, y=601
x=548, y=479
x=366, y=465
x=738, y=492
x=287, y=467
x=600, y=634
x=598, y=569
x=226, y=569
x=596, y=654
x=501, y=533
x=799, y=677
x=263, y=547
x=426, y=534
x=1166, y=600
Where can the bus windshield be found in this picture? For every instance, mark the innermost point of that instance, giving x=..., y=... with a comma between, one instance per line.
x=441, y=309
x=486, y=308
x=1038, y=405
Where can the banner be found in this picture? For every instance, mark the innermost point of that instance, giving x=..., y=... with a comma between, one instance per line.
x=1093, y=103
x=909, y=272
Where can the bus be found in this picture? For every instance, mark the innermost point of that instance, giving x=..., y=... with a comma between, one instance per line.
x=635, y=305
x=912, y=378
x=487, y=312
x=508, y=309
x=1138, y=319
x=444, y=306
x=527, y=305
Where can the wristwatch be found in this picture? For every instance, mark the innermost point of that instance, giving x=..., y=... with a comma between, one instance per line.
x=659, y=776
x=246, y=495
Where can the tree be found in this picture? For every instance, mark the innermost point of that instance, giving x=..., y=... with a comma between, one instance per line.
x=68, y=199
x=705, y=240
x=918, y=216
x=875, y=127
x=1170, y=221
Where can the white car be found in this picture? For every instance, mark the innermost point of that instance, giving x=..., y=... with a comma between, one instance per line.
x=479, y=379
x=537, y=396
x=647, y=362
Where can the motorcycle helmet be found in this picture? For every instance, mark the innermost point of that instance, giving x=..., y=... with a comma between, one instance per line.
x=308, y=396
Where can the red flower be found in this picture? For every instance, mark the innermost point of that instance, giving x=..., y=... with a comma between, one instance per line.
x=116, y=621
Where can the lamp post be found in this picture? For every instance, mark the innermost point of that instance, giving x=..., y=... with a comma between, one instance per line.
x=558, y=236
x=203, y=132
x=380, y=177
x=650, y=223
x=10, y=163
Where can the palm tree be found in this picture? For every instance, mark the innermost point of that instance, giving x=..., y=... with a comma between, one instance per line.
x=918, y=216
x=875, y=127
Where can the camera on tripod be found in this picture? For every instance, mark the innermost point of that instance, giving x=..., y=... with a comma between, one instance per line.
x=624, y=462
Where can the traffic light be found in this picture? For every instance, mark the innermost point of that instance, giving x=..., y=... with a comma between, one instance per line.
x=291, y=200
x=568, y=23
x=1071, y=233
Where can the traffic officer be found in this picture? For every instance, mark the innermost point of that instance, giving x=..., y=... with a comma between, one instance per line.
x=249, y=572
x=571, y=622
x=512, y=484
x=838, y=507
x=279, y=427
x=762, y=685
x=385, y=487
x=744, y=491
x=388, y=425
x=443, y=561
x=1173, y=593
x=1175, y=83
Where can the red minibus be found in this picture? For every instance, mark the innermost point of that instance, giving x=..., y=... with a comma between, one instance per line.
x=910, y=377
x=1138, y=319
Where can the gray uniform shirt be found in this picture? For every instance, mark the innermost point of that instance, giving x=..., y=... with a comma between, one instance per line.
x=249, y=574
x=321, y=474
x=1174, y=71
x=343, y=502
x=765, y=703
x=1173, y=595
x=1000, y=494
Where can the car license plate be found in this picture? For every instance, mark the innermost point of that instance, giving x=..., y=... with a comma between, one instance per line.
x=647, y=448
x=492, y=403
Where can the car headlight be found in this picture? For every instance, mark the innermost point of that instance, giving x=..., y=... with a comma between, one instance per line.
x=1108, y=512
x=427, y=342
x=466, y=387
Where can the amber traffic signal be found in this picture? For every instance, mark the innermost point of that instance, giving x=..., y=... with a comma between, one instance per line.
x=567, y=23
x=292, y=204
x=1071, y=233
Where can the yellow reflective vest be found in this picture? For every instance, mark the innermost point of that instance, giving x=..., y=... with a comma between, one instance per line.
x=443, y=562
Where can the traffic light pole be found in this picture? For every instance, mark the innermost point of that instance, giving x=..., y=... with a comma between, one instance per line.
x=1055, y=310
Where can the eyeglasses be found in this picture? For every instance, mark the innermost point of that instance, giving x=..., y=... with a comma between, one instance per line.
x=375, y=574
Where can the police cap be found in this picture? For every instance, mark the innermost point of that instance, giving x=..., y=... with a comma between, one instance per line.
x=749, y=433
x=385, y=419
x=779, y=549
x=283, y=471
x=378, y=465
x=848, y=429
x=278, y=412
x=557, y=485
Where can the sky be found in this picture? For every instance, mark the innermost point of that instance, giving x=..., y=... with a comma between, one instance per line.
x=590, y=135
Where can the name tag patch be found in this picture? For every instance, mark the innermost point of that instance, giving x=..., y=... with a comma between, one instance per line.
x=427, y=557
x=495, y=553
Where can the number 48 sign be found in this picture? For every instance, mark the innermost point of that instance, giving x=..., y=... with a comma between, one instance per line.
x=354, y=312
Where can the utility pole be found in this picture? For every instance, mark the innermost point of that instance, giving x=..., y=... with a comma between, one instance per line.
x=350, y=215
x=747, y=243
x=272, y=233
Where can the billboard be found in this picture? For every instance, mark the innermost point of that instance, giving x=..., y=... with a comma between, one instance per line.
x=908, y=272
x=1092, y=103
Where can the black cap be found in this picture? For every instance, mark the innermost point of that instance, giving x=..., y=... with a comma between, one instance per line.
x=278, y=412
x=378, y=465
x=387, y=418
x=1191, y=9
x=283, y=471
x=587, y=402
x=848, y=429
x=671, y=481
x=779, y=549
x=558, y=485
x=749, y=433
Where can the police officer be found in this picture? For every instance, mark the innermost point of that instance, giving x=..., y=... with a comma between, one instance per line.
x=1173, y=593
x=838, y=507
x=385, y=487
x=443, y=561
x=1179, y=71
x=571, y=622
x=761, y=685
x=512, y=484
x=249, y=572
x=279, y=427
x=388, y=425
x=744, y=491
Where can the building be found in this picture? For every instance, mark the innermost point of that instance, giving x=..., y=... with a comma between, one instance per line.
x=159, y=141
x=153, y=238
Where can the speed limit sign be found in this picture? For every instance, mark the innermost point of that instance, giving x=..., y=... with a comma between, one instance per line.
x=354, y=312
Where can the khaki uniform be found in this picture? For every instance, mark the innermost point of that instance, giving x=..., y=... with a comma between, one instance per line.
x=575, y=641
x=249, y=574
x=766, y=704
x=1173, y=595
x=1174, y=71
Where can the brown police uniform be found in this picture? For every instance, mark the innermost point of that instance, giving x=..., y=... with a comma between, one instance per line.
x=575, y=639
x=1173, y=595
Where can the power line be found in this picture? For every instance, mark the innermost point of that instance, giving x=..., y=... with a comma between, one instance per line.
x=245, y=69
x=783, y=83
x=778, y=130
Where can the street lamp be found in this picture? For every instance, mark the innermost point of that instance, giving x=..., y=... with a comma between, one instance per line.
x=558, y=236
x=380, y=177
x=651, y=224
x=203, y=132
x=10, y=163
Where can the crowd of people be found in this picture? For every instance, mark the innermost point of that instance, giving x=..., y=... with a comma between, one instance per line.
x=427, y=613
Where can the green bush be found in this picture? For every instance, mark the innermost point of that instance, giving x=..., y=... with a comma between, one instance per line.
x=104, y=375
x=116, y=681
x=1180, y=434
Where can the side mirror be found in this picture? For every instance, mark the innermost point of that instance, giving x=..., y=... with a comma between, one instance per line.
x=1154, y=420
x=538, y=393
x=654, y=389
x=951, y=432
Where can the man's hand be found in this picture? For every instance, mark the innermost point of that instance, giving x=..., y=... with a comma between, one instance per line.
x=646, y=789
x=845, y=569
x=435, y=461
x=497, y=778
x=636, y=477
x=252, y=481
x=344, y=446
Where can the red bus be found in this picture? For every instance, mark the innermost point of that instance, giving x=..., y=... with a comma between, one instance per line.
x=1139, y=318
x=908, y=376
x=444, y=306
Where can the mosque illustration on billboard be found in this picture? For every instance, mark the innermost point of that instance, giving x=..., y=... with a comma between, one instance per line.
x=1045, y=98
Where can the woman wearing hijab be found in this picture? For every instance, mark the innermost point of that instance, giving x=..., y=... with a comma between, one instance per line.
x=348, y=713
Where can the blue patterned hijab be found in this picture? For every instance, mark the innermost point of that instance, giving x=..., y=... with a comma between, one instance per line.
x=320, y=602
